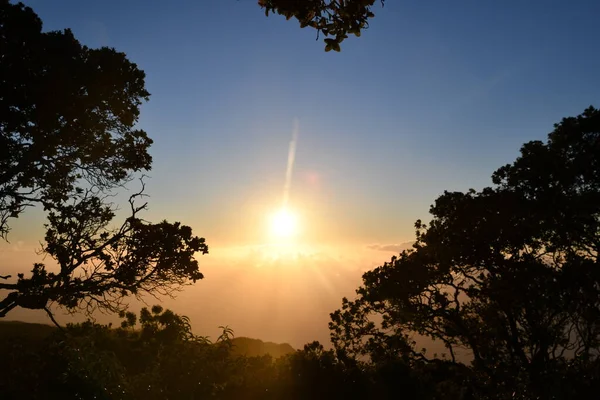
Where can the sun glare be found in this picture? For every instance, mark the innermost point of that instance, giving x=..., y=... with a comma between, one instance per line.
x=284, y=224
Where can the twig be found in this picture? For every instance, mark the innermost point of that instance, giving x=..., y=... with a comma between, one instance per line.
x=52, y=318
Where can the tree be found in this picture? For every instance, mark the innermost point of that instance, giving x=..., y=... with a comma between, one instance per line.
x=509, y=273
x=161, y=360
x=67, y=142
x=67, y=114
x=335, y=19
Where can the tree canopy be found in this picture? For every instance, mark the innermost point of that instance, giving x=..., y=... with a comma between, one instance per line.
x=154, y=355
x=508, y=274
x=335, y=19
x=68, y=140
x=68, y=115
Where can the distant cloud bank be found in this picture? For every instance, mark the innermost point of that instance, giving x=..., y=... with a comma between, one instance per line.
x=394, y=248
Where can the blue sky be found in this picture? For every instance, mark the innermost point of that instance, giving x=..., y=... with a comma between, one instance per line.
x=434, y=95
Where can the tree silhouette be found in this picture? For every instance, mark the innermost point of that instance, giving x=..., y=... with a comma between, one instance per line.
x=67, y=115
x=67, y=141
x=335, y=19
x=509, y=273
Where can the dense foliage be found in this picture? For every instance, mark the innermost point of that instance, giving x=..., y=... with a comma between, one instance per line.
x=67, y=114
x=154, y=355
x=335, y=19
x=67, y=141
x=509, y=275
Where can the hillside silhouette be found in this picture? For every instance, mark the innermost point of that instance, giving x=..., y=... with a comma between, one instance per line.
x=244, y=346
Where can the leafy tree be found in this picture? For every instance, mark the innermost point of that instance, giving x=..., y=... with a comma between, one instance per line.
x=154, y=355
x=160, y=360
x=335, y=19
x=67, y=141
x=316, y=373
x=163, y=326
x=509, y=273
x=164, y=359
x=67, y=114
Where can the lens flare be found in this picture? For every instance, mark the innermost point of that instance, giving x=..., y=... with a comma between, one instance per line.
x=290, y=162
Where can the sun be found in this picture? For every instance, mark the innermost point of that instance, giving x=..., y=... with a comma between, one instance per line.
x=284, y=224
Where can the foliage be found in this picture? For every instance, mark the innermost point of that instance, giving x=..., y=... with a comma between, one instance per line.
x=154, y=355
x=99, y=266
x=162, y=359
x=67, y=140
x=67, y=114
x=509, y=273
x=335, y=19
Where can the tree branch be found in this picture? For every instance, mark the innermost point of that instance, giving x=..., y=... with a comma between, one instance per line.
x=52, y=318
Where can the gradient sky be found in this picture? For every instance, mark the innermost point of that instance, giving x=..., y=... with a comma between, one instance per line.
x=434, y=96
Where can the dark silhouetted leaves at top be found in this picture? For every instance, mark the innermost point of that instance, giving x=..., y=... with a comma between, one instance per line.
x=335, y=19
x=509, y=273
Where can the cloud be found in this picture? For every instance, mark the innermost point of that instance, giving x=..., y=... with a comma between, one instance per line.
x=392, y=248
x=275, y=293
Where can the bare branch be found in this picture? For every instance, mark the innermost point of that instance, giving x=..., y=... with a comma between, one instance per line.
x=53, y=319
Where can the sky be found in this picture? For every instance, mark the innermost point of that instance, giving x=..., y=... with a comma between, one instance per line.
x=434, y=96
